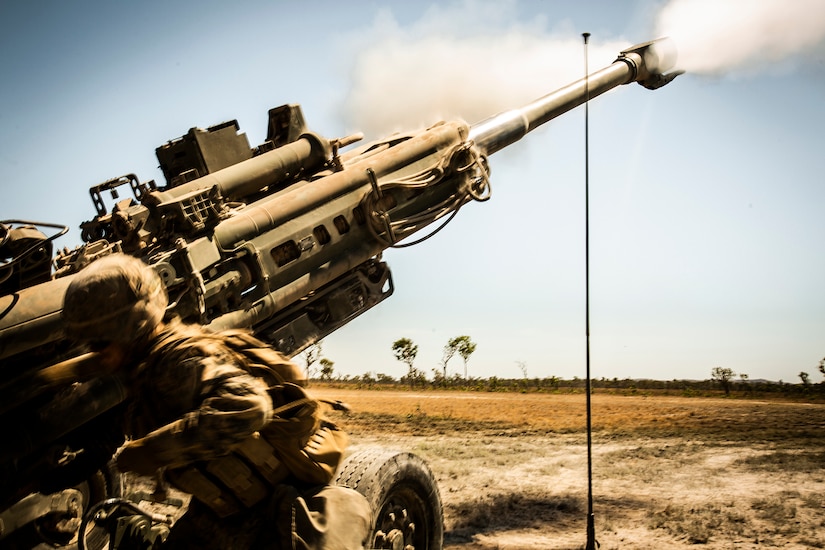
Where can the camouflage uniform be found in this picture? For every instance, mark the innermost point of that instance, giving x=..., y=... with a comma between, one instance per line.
x=192, y=402
x=196, y=405
x=193, y=411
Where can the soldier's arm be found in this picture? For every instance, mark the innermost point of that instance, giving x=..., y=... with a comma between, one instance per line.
x=232, y=405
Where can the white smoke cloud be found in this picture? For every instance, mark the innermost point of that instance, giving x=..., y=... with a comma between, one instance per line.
x=473, y=58
x=469, y=60
x=746, y=36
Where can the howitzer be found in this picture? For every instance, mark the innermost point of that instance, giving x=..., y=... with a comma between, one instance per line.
x=284, y=239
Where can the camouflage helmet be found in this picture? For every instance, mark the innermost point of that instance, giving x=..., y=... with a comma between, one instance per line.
x=117, y=298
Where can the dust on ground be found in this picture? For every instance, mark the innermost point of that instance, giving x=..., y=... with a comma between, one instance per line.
x=668, y=472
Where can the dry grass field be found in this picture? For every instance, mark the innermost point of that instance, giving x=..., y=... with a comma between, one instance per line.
x=668, y=472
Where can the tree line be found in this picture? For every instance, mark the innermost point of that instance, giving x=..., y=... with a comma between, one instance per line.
x=554, y=384
x=405, y=350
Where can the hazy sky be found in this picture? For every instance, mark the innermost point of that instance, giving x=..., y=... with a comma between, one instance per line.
x=707, y=202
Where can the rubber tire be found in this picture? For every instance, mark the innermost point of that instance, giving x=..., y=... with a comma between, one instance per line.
x=387, y=477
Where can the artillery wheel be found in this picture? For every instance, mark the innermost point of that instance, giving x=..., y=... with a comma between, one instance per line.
x=403, y=495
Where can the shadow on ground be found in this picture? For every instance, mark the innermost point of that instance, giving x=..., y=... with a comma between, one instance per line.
x=511, y=511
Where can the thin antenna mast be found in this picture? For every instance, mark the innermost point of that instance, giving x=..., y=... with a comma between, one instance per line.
x=591, y=526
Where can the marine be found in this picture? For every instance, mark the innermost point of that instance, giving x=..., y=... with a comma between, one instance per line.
x=244, y=439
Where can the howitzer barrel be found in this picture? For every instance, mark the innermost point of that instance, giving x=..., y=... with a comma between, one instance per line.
x=635, y=64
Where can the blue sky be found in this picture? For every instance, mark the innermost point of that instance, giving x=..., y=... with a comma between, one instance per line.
x=706, y=197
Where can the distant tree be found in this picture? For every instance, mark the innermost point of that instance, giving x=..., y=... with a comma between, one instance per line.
x=806, y=379
x=465, y=348
x=405, y=351
x=311, y=355
x=723, y=376
x=522, y=365
x=382, y=378
x=326, y=368
x=822, y=366
x=450, y=349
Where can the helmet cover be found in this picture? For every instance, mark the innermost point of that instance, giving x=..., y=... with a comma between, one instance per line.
x=117, y=298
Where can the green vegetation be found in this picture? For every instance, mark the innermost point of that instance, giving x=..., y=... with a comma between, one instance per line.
x=326, y=369
x=736, y=389
x=405, y=351
x=721, y=378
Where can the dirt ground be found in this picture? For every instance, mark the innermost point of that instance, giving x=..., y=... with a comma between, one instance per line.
x=668, y=472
